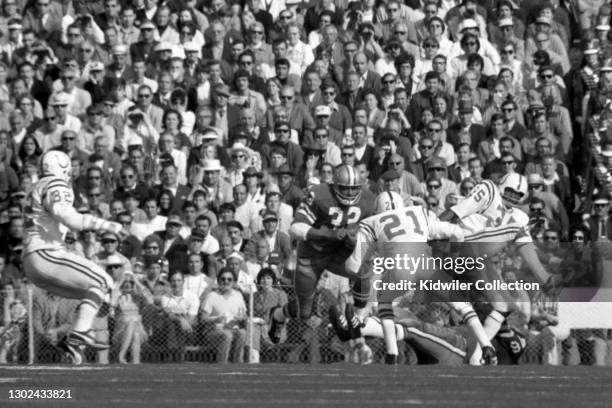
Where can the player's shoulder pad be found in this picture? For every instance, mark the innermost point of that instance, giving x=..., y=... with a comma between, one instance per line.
x=366, y=226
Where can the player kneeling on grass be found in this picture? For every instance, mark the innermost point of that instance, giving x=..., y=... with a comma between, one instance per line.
x=48, y=217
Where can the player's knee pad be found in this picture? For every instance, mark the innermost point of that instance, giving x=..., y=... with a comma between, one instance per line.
x=465, y=310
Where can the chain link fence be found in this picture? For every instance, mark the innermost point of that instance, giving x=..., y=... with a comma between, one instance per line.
x=33, y=322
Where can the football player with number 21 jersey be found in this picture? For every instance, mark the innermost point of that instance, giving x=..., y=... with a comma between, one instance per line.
x=325, y=225
x=49, y=265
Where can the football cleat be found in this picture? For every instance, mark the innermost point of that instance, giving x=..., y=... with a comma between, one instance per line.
x=85, y=339
x=276, y=328
x=353, y=321
x=74, y=353
x=489, y=355
x=339, y=323
x=347, y=184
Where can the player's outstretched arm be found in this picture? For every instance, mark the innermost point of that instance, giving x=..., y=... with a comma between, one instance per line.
x=449, y=216
x=69, y=216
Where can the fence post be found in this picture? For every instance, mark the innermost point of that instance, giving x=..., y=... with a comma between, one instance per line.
x=30, y=328
x=250, y=323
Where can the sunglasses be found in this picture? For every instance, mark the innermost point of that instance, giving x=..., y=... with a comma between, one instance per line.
x=434, y=186
x=125, y=222
x=435, y=130
x=508, y=110
x=68, y=138
x=238, y=156
x=114, y=266
x=507, y=51
x=329, y=93
x=246, y=63
x=435, y=169
x=109, y=241
x=388, y=82
x=536, y=209
x=600, y=205
x=226, y=279
x=320, y=136
x=547, y=76
x=426, y=147
x=348, y=154
x=400, y=32
x=551, y=238
x=469, y=43
x=283, y=130
x=285, y=17
x=396, y=163
x=430, y=46
x=127, y=176
x=257, y=32
x=144, y=95
x=507, y=163
x=286, y=97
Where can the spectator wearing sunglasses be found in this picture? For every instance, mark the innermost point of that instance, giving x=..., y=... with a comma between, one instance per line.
x=223, y=314
x=600, y=222
x=110, y=250
x=437, y=175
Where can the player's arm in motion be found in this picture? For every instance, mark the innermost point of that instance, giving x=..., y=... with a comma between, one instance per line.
x=58, y=202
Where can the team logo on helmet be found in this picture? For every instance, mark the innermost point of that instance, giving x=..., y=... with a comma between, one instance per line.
x=513, y=188
x=347, y=184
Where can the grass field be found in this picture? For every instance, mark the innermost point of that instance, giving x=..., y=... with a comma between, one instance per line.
x=336, y=385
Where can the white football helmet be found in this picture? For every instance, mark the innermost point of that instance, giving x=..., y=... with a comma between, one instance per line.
x=513, y=189
x=57, y=164
x=387, y=201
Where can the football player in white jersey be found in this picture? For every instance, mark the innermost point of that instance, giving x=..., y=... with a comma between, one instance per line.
x=403, y=230
x=490, y=212
x=48, y=217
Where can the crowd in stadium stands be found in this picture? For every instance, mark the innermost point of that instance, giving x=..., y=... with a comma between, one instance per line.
x=200, y=124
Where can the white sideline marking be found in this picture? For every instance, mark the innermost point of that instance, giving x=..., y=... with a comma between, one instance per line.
x=12, y=380
x=56, y=368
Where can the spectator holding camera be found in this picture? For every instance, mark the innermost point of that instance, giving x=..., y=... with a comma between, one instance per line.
x=224, y=314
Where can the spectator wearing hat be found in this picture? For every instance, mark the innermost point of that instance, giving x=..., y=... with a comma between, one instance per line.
x=169, y=177
x=143, y=48
x=224, y=114
x=275, y=205
x=600, y=222
x=464, y=130
x=323, y=115
x=172, y=243
x=553, y=208
x=59, y=102
x=68, y=145
x=294, y=153
x=470, y=44
x=291, y=194
x=506, y=27
x=485, y=48
x=218, y=190
x=278, y=242
x=242, y=157
x=110, y=252
x=340, y=118
x=167, y=145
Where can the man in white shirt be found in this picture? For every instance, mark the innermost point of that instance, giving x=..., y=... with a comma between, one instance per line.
x=154, y=222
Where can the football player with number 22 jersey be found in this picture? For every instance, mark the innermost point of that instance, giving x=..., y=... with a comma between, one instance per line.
x=325, y=225
x=49, y=265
